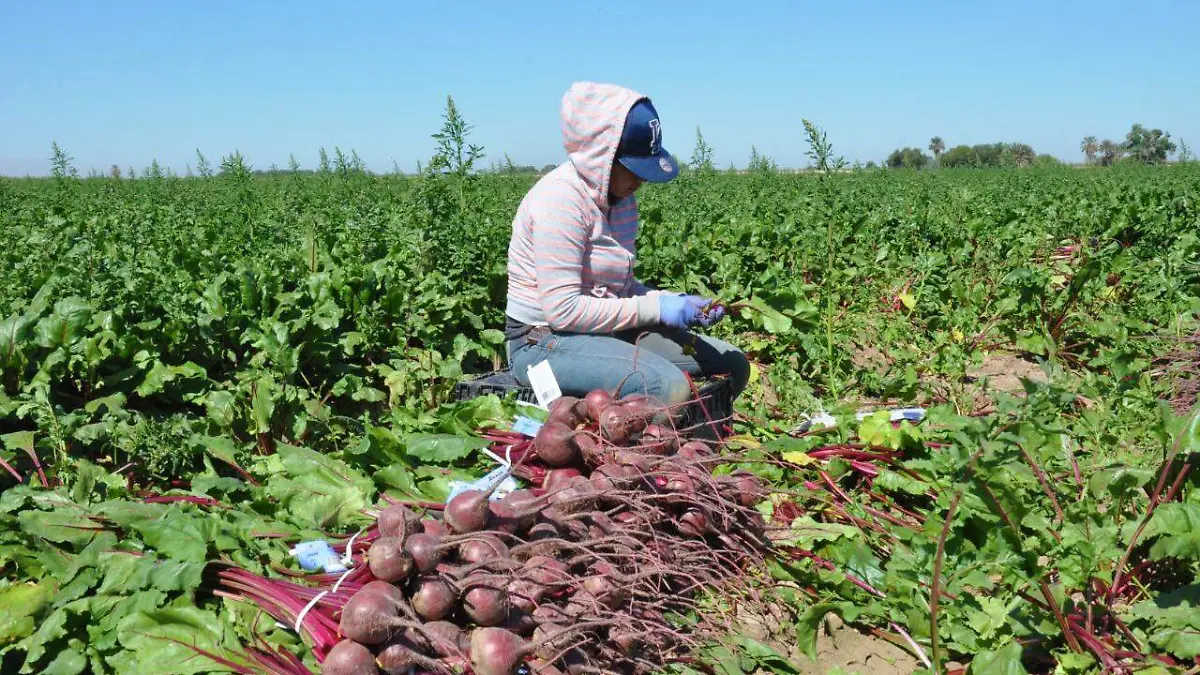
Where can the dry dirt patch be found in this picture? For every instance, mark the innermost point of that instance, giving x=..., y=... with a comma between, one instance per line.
x=1004, y=372
x=839, y=646
x=845, y=647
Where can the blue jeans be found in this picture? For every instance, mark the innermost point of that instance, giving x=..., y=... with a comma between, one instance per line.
x=651, y=362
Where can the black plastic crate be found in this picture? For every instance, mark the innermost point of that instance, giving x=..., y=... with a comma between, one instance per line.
x=500, y=383
x=717, y=397
x=715, y=394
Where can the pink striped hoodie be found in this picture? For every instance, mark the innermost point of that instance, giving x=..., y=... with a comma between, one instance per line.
x=571, y=256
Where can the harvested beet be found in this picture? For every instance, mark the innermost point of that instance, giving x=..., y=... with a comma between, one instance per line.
x=555, y=444
x=602, y=586
x=547, y=614
x=659, y=440
x=502, y=516
x=486, y=547
x=468, y=511
x=447, y=639
x=401, y=654
x=485, y=600
x=693, y=523
x=434, y=599
x=563, y=411
x=557, y=478
x=694, y=450
x=426, y=551
x=595, y=402
x=496, y=651
x=387, y=561
x=524, y=594
x=369, y=617
x=349, y=658
x=435, y=527
x=398, y=521
x=621, y=419
x=749, y=490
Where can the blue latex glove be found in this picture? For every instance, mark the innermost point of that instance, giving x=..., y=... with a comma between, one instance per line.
x=680, y=311
x=714, y=315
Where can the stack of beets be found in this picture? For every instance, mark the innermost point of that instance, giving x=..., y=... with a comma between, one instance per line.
x=622, y=557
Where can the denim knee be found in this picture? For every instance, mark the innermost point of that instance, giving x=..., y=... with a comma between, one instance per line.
x=676, y=388
x=664, y=382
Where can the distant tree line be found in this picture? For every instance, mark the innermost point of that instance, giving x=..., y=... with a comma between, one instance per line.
x=1141, y=145
x=980, y=155
x=458, y=157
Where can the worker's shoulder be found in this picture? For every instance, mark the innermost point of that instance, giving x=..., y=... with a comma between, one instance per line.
x=562, y=185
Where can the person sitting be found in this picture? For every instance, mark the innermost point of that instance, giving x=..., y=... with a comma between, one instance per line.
x=572, y=297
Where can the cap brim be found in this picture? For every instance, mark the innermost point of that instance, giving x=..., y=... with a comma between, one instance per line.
x=654, y=169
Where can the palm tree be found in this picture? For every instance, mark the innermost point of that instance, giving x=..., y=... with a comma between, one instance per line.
x=936, y=146
x=1089, y=147
x=1110, y=152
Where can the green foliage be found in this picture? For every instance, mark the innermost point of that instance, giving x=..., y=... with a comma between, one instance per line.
x=1149, y=146
x=908, y=158
x=937, y=146
x=702, y=154
x=60, y=163
x=454, y=153
x=305, y=330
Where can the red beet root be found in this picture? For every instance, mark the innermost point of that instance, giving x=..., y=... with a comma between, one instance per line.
x=434, y=599
x=387, y=561
x=367, y=617
x=434, y=527
x=557, y=478
x=468, y=511
x=349, y=658
x=595, y=403
x=398, y=521
x=486, y=548
x=485, y=601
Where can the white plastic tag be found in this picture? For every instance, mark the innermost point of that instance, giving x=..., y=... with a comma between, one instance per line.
x=545, y=386
x=497, y=475
x=526, y=426
x=317, y=554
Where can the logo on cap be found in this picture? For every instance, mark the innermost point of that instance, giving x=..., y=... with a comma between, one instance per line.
x=664, y=164
x=655, y=136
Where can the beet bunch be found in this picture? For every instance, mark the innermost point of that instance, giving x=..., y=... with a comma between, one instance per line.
x=609, y=561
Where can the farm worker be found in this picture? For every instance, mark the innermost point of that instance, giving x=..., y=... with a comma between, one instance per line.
x=572, y=298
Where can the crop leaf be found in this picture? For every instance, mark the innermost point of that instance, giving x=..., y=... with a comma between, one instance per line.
x=1003, y=661
x=1177, y=527
x=442, y=448
x=20, y=604
x=175, y=640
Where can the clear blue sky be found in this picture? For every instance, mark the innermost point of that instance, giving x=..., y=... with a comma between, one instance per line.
x=127, y=82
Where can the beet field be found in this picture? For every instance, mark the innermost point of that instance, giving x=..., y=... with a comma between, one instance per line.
x=230, y=440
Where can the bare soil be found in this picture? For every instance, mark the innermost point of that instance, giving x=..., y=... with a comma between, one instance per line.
x=1003, y=372
x=1000, y=372
x=839, y=646
x=845, y=647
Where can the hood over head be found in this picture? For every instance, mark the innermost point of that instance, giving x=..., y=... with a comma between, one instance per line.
x=593, y=116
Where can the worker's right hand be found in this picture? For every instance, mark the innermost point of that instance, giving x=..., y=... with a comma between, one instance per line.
x=680, y=311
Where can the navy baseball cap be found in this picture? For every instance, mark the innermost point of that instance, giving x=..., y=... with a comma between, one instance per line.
x=641, y=150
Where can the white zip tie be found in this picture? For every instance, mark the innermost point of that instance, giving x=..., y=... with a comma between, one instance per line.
x=311, y=603
x=348, y=556
x=507, y=455
x=340, y=580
